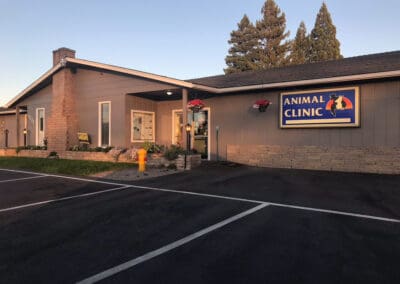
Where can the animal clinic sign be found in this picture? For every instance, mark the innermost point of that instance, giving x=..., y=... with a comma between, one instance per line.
x=320, y=108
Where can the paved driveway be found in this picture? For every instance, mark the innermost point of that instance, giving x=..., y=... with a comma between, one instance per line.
x=216, y=224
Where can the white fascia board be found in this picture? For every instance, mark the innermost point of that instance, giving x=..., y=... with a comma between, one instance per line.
x=339, y=79
x=133, y=72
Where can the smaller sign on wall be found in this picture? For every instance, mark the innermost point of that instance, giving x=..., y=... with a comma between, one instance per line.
x=142, y=126
x=320, y=108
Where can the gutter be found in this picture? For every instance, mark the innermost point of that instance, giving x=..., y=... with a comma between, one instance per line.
x=349, y=78
x=12, y=112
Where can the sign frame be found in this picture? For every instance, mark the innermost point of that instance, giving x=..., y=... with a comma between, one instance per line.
x=323, y=125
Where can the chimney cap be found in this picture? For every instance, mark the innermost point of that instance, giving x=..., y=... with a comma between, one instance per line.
x=64, y=49
x=61, y=53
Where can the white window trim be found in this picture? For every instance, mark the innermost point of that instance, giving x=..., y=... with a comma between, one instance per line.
x=174, y=111
x=37, y=124
x=99, y=123
x=209, y=128
x=154, y=126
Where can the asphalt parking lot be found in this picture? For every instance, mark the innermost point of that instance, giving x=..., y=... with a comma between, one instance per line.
x=216, y=224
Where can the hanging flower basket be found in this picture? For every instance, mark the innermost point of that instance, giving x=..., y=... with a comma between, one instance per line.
x=195, y=105
x=261, y=105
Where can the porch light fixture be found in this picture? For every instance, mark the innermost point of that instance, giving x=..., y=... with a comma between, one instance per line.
x=261, y=105
x=188, y=128
x=169, y=93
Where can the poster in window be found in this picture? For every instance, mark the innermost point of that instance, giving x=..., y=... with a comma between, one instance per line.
x=143, y=126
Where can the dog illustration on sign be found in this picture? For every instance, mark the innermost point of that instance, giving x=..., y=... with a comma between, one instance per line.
x=338, y=103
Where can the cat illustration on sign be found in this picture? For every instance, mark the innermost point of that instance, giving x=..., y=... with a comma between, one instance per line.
x=338, y=103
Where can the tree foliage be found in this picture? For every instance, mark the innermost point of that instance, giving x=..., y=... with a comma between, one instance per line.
x=300, y=47
x=243, y=42
x=324, y=44
x=273, y=47
x=266, y=45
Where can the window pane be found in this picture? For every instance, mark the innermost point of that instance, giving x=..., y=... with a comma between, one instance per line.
x=105, y=124
x=41, y=124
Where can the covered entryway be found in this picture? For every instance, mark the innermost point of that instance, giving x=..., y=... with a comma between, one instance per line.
x=200, y=134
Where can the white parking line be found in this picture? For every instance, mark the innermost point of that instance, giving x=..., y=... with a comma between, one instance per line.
x=131, y=263
x=336, y=212
x=17, y=179
x=62, y=199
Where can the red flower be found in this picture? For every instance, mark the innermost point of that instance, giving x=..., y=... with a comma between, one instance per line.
x=195, y=105
x=261, y=105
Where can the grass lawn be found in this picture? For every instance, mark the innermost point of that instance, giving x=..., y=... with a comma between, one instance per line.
x=60, y=166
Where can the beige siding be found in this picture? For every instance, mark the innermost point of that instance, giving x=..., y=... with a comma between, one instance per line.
x=41, y=99
x=164, y=120
x=8, y=122
x=93, y=87
x=135, y=103
x=241, y=125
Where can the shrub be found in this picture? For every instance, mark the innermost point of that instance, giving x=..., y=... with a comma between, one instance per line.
x=173, y=151
x=30, y=147
x=53, y=155
x=152, y=147
x=85, y=148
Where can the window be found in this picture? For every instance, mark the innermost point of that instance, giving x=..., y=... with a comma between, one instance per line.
x=104, y=124
x=142, y=126
x=40, y=125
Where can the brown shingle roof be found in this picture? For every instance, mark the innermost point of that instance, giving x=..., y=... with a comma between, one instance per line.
x=373, y=63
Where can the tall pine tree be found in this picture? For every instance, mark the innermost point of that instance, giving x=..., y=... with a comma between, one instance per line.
x=324, y=45
x=243, y=42
x=273, y=48
x=300, y=47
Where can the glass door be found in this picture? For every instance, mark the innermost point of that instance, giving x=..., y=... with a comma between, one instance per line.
x=199, y=134
x=199, y=121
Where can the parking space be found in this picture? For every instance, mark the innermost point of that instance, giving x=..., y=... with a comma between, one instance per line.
x=279, y=245
x=22, y=191
x=199, y=228
x=7, y=176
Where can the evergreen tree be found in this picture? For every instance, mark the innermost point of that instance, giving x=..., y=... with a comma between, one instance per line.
x=272, y=49
x=300, y=47
x=243, y=42
x=324, y=45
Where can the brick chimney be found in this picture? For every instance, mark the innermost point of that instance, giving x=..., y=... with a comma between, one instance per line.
x=62, y=122
x=61, y=53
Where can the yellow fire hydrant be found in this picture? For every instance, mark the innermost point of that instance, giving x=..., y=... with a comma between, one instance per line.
x=142, y=153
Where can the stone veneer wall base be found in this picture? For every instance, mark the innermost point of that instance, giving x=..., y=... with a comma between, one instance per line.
x=381, y=160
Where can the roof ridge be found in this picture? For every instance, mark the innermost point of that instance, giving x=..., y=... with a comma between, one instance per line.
x=357, y=57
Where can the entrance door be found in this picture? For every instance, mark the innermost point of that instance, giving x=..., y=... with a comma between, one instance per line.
x=200, y=130
x=40, y=127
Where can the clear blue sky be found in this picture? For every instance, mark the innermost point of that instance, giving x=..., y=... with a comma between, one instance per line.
x=177, y=38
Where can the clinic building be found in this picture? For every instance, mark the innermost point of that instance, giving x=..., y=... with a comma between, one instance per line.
x=341, y=115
